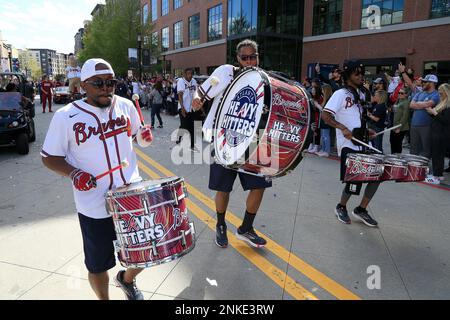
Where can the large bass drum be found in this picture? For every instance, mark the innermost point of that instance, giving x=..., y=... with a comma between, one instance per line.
x=262, y=124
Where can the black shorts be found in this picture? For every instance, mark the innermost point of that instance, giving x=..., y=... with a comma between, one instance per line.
x=222, y=179
x=344, y=154
x=98, y=237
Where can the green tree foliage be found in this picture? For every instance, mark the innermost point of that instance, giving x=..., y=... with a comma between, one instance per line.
x=112, y=31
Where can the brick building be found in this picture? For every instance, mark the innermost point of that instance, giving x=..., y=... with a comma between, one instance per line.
x=412, y=31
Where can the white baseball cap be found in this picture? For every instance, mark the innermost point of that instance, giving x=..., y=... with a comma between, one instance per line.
x=430, y=78
x=89, y=68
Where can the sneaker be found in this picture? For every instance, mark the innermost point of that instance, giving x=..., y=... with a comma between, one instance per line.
x=195, y=149
x=323, y=154
x=432, y=180
x=315, y=148
x=363, y=215
x=160, y=126
x=221, y=236
x=342, y=214
x=130, y=289
x=251, y=238
x=311, y=148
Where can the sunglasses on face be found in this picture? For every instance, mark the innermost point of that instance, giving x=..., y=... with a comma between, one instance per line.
x=402, y=92
x=248, y=58
x=101, y=83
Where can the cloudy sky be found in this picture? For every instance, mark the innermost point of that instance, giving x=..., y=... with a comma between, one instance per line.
x=49, y=24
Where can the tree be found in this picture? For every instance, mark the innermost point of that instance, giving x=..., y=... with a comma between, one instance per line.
x=113, y=31
x=29, y=65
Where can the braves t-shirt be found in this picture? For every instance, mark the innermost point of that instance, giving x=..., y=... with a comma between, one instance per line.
x=187, y=88
x=346, y=111
x=96, y=140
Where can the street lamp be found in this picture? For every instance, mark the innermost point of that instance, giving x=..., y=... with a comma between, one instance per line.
x=10, y=58
x=139, y=39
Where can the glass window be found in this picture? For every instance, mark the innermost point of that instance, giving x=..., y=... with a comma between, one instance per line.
x=165, y=39
x=154, y=10
x=194, y=30
x=215, y=23
x=164, y=7
x=145, y=14
x=391, y=11
x=327, y=16
x=242, y=16
x=155, y=37
x=177, y=4
x=178, y=35
x=440, y=8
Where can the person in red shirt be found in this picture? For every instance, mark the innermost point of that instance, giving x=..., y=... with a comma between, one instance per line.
x=47, y=90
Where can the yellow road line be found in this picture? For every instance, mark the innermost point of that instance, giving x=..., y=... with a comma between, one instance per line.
x=300, y=265
x=275, y=274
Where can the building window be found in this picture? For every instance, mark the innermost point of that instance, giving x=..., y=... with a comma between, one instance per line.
x=165, y=39
x=154, y=10
x=440, y=8
x=178, y=35
x=145, y=14
x=164, y=7
x=391, y=11
x=242, y=16
x=327, y=16
x=194, y=30
x=155, y=39
x=177, y=4
x=215, y=23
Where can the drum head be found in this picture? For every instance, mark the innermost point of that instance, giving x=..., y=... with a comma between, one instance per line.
x=238, y=116
x=143, y=186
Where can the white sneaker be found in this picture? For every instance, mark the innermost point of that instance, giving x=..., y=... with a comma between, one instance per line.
x=315, y=148
x=323, y=154
x=311, y=148
x=432, y=180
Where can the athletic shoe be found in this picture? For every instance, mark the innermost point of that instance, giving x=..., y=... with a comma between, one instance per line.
x=221, y=236
x=342, y=214
x=315, y=148
x=433, y=180
x=130, y=289
x=160, y=126
x=251, y=238
x=363, y=215
x=195, y=149
x=311, y=148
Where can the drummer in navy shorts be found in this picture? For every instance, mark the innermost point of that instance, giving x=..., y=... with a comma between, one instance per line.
x=85, y=139
x=222, y=179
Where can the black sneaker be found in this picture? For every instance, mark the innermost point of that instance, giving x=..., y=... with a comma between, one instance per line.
x=130, y=289
x=342, y=214
x=362, y=215
x=251, y=238
x=221, y=236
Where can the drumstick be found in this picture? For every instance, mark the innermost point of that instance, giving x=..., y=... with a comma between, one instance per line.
x=214, y=82
x=123, y=164
x=390, y=129
x=366, y=145
x=135, y=98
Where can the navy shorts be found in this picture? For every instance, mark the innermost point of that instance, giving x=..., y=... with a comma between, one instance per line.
x=98, y=237
x=222, y=179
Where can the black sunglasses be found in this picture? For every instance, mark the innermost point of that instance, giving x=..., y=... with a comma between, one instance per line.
x=101, y=83
x=250, y=57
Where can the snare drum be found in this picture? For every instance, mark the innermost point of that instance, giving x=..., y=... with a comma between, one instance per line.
x=363, y=168
x=151, y=222
x=262, y=124
x=417, y=168
x=395, y=168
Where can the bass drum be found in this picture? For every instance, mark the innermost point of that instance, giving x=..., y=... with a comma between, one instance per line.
x=262, y=124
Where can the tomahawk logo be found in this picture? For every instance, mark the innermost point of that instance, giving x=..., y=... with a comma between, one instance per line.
x=239, y=122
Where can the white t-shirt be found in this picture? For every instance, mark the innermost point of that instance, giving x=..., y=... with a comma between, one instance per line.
x=225, y=75
x=136, y=88
x=76, y=134
x=342, y=106
x=73, y=72
x=188, y=89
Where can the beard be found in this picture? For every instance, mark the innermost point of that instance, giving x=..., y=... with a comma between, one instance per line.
x=100, y=105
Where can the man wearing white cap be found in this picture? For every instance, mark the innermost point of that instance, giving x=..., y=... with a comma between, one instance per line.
x=85, y=139
x=421, y=120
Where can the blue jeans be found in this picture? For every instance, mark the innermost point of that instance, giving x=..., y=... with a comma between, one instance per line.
x=378, y=141
x=325, y=140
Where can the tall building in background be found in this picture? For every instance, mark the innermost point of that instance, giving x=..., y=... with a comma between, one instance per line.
x=381, y=33
x=204, y=34
x=79, y=41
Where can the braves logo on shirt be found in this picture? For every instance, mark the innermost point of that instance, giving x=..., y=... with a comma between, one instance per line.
x=83, y=132
x=349, y=102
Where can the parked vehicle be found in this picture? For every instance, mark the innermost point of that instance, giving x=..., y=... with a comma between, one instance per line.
x=61, y=95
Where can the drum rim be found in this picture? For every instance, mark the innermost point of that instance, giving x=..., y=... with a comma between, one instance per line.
x=121, y=194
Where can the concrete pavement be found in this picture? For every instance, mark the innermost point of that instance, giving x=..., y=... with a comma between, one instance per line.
x=310, y=253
